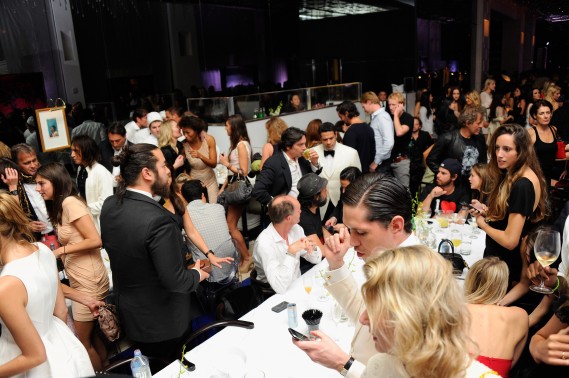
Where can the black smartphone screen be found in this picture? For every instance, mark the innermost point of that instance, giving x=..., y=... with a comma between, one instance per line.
x=281, y=306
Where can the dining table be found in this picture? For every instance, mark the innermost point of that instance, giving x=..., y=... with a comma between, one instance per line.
x=267, y=349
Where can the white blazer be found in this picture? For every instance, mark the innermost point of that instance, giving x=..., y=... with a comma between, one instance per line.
x=344, y=157
x=98, y=187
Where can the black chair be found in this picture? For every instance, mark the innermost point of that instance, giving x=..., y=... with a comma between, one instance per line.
x=264, y=288
x=158, y=364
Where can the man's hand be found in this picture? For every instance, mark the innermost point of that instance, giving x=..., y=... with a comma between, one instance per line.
x=536, y=273
x=398, y=110
x=299, y=245
x=438, y=191
x=331, y=222
x=314, y=157
x=324, y=351
x=373, y=166
x=338, y=244
x=37, y=226
x=203, y=274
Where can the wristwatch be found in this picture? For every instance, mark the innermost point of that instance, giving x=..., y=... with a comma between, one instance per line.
x=208, y=252
x=343, y=369
x=13, y=192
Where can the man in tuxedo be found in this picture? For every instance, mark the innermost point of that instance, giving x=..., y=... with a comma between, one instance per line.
x=116, y=140
x=282, y=171
x=333, y=158
x=151, y=283
x=377, y=210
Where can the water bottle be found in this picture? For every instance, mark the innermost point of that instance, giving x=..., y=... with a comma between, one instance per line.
x=139, y=366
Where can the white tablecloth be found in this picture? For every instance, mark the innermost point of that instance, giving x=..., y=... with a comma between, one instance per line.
x=235, y=352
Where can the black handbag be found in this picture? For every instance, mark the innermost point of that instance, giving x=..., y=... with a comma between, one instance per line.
x=238, y=190
x=458, y=263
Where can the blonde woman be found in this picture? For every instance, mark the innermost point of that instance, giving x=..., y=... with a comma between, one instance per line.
x=172, y=149
x=500, y=332
x=486, y=94
x=552, y=94
x=473, y=98
x=417, y=316
x=35, y=341
x=275, y=127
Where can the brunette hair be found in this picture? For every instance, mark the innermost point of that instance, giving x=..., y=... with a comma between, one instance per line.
x=501, y=183
x=132, y=160
x=87, y=149
x=480, y=169
x=313, y=133
x=63, y=187
x=275, y=127
x=238, y=131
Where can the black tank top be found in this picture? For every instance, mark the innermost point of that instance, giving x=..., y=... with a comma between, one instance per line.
x=546, y=153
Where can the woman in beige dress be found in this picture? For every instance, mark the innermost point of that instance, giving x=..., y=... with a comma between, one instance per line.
x=201, y=154
x=80, y=250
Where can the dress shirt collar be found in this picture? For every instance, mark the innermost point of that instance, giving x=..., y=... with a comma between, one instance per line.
x=289, y=160
x=143, y=192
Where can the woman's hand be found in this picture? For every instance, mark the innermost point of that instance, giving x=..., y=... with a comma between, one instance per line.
x=224, y=160
x=10, y=178
x=195, y=154
x=214, y=260
x=555, y=349
x=179, y=162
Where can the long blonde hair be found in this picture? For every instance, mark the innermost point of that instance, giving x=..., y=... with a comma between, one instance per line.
x=166, y=138
x=501, y=183
x=411, y=294
x=14, y=224
x=486, y=281
x=474, y=97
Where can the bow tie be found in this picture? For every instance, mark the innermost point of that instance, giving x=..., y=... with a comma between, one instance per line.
x=331, y=152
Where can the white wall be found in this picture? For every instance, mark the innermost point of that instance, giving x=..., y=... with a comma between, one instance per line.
x=258, y=133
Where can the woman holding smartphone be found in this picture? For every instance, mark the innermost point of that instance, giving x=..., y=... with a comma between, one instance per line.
x=517, y=199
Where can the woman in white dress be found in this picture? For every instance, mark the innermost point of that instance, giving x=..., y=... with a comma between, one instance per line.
x=35, y=340
x=417, y=317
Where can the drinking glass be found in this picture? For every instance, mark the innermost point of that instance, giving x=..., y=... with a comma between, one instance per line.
x=456, y=239
x=547, y=247
x=308, y=282
x=442, y=218
x=474, y=227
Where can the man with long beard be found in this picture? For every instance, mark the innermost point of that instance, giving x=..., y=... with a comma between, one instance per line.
x=151, y=284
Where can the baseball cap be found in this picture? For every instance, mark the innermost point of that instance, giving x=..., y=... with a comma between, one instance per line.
x=452, y=165
x=310, y=184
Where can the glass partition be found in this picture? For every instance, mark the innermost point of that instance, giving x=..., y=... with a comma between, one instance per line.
x=260, y=105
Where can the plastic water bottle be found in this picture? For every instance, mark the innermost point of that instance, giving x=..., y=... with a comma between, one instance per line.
x=139, y=366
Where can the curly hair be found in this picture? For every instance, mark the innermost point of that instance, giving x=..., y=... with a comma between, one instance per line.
x=275, y=127
x=414, y=302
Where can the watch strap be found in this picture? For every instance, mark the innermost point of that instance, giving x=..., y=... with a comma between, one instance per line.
x=346, y=367
x=208, y=252
x=13, y=192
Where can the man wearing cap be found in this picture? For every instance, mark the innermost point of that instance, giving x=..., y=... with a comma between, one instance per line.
x=446, y=190
x=278, y=248
x=333, y=158
x=139, y=121
x=312, y=195
x=466, y=144
x=148, y=134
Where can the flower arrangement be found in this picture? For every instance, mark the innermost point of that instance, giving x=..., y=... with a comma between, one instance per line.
x=276, y=111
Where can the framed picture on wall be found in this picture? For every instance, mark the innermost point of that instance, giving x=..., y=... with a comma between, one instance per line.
x=52, y=128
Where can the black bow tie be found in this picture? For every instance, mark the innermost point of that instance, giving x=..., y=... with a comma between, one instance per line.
x=331, y=152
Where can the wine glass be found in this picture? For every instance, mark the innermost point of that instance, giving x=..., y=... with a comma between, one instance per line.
x=547, y=247
x=308, y=282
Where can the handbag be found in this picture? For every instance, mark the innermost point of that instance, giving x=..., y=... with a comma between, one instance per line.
x=239, y=190
x=109, y=322
x=457, y=261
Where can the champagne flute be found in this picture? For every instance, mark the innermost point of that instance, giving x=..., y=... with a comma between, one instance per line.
x=547, y=247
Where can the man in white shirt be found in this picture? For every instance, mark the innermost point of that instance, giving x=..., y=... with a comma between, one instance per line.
x=279, y=247
x=145, y=135
x=31, y=202
x=139, y=121
x=383, y=130
x=377, y=211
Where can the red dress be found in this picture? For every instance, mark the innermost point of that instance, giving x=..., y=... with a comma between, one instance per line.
x=499, y=365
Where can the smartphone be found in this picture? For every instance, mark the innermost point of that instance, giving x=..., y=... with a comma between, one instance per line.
x=465, y=204
x=298, y=336
x=281, y=306
x=330, y=229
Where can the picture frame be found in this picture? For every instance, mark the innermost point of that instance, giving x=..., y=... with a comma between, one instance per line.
x=52, y=128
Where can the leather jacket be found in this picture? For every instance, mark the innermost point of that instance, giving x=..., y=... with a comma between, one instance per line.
x=452, y=145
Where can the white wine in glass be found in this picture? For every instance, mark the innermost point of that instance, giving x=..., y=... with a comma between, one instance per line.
x=308, y=282
x=547, y=247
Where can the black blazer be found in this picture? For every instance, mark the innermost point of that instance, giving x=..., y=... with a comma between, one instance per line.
x=275, y=177
x=151, y=285
x=107, y=154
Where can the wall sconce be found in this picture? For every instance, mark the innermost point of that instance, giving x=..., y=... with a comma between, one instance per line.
x=486, y=28
x=522, y=37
